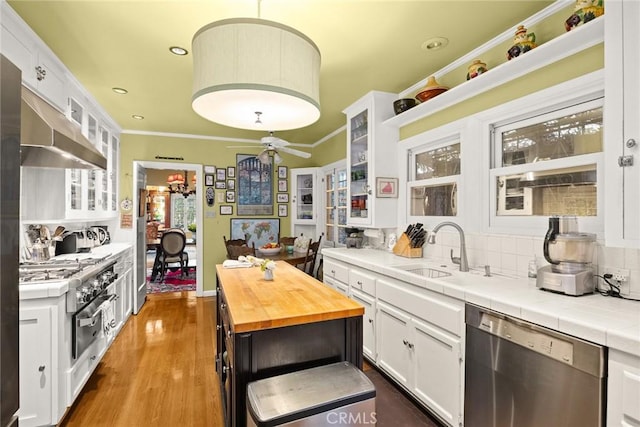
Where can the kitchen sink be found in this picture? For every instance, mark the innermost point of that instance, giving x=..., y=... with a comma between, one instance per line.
x=423, y=271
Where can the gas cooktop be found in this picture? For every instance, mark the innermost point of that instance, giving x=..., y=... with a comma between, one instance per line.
x=59, y=268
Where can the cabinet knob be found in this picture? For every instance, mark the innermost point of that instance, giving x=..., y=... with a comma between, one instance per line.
x=41, y=368
x=370, y=320
x=631, y=143
x=223, y=306
x=405, y=342
x=93, y=357
x=359, y=283
x=410, y=345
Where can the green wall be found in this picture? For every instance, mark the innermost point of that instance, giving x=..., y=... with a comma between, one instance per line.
x=331, y=150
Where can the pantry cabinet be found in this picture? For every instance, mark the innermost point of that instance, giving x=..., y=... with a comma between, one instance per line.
x=371, y=154
x=621, y=127
x=334, y=182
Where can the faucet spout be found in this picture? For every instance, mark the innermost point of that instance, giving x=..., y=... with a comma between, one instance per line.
x=462, y=260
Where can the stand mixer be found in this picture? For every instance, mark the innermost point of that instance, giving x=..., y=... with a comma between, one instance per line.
x=569, y=254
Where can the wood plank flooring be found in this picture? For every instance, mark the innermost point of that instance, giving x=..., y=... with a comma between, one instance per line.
x=159, y=371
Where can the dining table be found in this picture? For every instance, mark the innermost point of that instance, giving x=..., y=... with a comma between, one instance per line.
x=294, y=258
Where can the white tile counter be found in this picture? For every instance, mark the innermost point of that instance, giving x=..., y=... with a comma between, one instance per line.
x=608, y=321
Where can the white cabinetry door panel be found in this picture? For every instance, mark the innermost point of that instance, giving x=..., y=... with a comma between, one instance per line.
x=623, y=395
x=368, y=323
x=36, y=370
x=394, y=334
x=437, y=370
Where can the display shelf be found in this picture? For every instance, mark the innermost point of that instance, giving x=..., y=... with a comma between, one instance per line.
x=554, y=50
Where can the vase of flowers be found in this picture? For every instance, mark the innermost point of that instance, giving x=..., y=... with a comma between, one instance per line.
x=267, y=266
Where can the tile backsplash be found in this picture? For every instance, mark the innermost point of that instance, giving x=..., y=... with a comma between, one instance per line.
x=511, y=254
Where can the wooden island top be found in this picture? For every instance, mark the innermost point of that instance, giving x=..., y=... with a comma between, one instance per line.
x=292, y=298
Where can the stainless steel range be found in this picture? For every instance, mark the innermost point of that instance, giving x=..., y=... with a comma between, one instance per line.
x=88, y=279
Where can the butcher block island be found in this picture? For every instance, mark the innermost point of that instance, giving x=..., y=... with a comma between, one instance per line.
x=272, y=327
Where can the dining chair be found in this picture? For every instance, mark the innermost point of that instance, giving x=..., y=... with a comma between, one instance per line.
x=287, y=241
x=235, y=251
x=310, y=259
x=172, y=244
x=233, y=242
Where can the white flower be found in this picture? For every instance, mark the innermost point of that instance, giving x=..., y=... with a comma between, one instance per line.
x=267, y=264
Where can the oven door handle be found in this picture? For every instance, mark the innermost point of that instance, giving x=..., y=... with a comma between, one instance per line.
x=90, y=321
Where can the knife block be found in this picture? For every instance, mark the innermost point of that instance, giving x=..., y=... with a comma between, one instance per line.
x=403, y=248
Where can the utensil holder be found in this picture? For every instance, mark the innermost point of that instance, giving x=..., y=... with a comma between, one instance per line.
x=403, y=248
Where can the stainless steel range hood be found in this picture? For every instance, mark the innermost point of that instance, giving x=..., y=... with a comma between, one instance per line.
x=49, y=139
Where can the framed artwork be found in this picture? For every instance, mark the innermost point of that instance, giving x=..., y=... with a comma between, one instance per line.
x=231, y=172
x=282, y=185
x=231, y=184
x=258, y=231
x=221, y=185
x=221, y=174
x=231, y=197
x=221, y=196
x=226, y=209
x=210, y=169
x=282, y=172
x=208, y=180
x=254, y=186
x=386, y=187
x=283, y=210
x=283, y=197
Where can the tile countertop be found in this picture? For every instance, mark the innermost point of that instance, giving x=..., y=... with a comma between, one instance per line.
x=56, y=288
x=608, y=321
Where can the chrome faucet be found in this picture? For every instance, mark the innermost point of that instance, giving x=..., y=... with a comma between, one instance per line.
x=462, y=260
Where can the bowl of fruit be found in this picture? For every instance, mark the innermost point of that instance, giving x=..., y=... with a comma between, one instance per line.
x=270, y=249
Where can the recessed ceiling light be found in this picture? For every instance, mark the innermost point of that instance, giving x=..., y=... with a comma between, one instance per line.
x=177, y=50
x=120, y=90
x=138, y=117
x=435, y=43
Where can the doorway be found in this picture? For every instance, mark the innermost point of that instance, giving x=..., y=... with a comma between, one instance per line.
x=187, y=216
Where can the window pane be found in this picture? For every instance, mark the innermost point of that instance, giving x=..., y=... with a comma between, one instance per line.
x=571, y=135
x=566, y=191
x=443, y=161
x=437, y=200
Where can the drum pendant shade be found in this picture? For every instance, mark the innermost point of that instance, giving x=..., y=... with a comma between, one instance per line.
x=255, y=74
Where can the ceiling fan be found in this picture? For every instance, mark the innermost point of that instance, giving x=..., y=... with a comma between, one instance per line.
x=271, y=146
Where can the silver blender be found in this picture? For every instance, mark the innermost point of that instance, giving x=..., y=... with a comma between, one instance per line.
x=569, y=254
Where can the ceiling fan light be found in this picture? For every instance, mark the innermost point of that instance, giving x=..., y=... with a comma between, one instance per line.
x=244, y=65
x=276, y=158
x=264, y=157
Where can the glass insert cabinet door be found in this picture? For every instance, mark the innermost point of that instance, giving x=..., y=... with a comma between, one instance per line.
x=336, y=207
x=359, y=187
x=304, y=196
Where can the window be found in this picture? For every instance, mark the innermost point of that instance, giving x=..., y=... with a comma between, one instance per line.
x=433, y=179
x=548, y=164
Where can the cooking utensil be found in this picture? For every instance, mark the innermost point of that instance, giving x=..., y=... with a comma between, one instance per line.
x=58, y=231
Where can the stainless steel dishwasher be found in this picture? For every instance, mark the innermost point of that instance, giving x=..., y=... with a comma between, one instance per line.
x=523, y=375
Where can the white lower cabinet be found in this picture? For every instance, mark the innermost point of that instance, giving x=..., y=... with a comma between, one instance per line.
x=37, y=373
x=368, y=323
x=393, y=338
x=623, y=391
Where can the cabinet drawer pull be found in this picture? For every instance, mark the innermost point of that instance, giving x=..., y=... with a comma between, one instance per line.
x=405, y=342
x=370, y=320
x=41, y=368
x=359, y=282
x=93, y=358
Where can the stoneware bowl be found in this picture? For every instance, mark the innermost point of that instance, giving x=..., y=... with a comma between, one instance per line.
x=270, y=251
x=404, y=104
x=432, y=89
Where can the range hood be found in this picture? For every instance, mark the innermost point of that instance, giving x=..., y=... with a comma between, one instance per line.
x=48, y=139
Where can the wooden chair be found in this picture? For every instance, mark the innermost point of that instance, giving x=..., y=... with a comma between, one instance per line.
x=310, y=259
x=172, y=251
x=233, y=242
x=287, y=241
x=234, y=251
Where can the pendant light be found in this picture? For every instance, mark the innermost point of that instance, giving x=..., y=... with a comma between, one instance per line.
x=255, y=74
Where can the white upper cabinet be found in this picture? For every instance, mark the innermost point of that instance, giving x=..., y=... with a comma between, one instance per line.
x=622, y=128
x=371, y=154
x=304, y=196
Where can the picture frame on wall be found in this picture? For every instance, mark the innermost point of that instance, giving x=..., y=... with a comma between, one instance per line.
x=255, y=186
x=210, y=169
x=231, y=197
x=221, y=175
x=283, y=198
x=282, y=185
x=258, y=231
x=226, y=209
x=231, y=184
x=221, y=185
x=282, y=172
x=283, y=210
x=386, y=187
x=231, y=172
x=208, y=180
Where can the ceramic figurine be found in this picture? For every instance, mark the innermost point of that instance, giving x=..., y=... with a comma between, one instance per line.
x=476, y=68
x=584, y=11
x=522, y=42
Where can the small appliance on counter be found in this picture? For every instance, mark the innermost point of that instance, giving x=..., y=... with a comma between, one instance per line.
x=569, y=254
x=354, y=238
x=75, y=242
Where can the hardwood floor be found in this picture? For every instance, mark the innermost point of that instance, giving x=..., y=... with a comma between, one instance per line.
x=159, y=371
